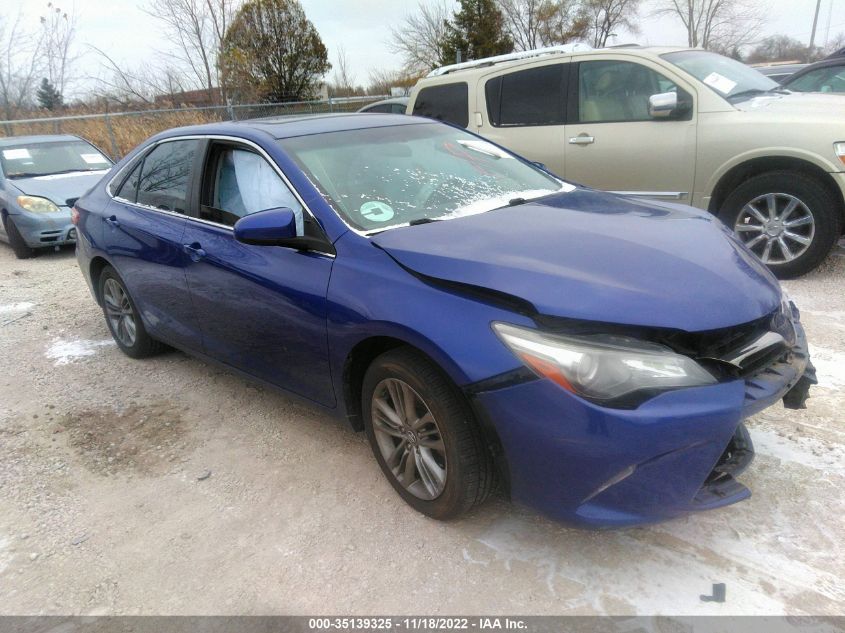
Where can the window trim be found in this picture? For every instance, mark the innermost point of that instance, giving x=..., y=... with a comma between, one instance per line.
x=574, y=109
x=206, y=137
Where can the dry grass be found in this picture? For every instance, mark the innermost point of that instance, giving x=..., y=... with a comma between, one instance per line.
x=129, y=130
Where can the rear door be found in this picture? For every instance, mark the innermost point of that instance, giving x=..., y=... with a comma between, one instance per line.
x=261, y=309
x=613, y=143
x=525, y=111
x=142, y=235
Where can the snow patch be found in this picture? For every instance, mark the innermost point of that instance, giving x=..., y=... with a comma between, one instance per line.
x=13, y=308
x=804, y=450
x=65, y=352
x=830, y=366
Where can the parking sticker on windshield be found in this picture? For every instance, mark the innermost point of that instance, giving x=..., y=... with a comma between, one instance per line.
x=16, y=154
x=720, y=83
x=376, y=211
x=94, y=159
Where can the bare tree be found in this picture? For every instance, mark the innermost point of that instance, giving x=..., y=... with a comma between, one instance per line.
x=129, y=87
x=419, y=38
x=19, y=65
x=59, y=32
x=198, y=28
x=607, y=16
x=343, y=81
x=721, y=25
x=383, y=82
x=538, y=23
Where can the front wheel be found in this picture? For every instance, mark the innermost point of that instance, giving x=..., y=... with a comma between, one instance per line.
x=16, y=241
x=789, y=220
x=424, y=436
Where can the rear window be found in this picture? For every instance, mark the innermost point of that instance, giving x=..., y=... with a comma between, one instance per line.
x=446, y=102
x=535, y=96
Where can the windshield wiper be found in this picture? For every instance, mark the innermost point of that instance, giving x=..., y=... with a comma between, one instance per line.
x=422, y=221
x=757, y=91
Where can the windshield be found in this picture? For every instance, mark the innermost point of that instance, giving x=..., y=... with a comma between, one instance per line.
x=56, y=157
x=725, y=76
x=380, y=178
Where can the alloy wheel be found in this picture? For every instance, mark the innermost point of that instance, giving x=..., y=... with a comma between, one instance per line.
x=777, y=227
x=409, y=439
x=119, y=312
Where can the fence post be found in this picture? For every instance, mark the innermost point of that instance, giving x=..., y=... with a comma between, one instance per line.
x=230, y=109
x=112, y=140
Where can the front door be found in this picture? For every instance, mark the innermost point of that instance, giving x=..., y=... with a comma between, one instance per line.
x=612, y=142
x=261, y=309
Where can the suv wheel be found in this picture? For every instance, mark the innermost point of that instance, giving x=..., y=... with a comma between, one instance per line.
x=424, y=436
x=16, y=241
x=789, y=220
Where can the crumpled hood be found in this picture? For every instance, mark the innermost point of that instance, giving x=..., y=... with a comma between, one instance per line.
x=60, y=187
x=598, y=257
x=804, y=104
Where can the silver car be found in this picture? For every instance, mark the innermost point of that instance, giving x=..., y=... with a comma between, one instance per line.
x=40, y=178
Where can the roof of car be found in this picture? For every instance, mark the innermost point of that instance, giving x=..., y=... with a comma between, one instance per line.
x=634, y=50
x=305, y=125
x=39, y=138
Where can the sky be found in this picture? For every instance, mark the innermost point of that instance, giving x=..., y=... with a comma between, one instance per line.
x=362, y=28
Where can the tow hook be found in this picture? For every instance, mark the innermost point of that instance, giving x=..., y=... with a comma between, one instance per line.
x=796, y=398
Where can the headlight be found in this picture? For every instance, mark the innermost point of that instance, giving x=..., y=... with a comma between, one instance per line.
x=839, y=148
x=602, y=367
x=36, y=204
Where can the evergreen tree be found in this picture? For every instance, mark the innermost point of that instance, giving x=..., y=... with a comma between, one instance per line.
x=477, y=30
x=48, y=96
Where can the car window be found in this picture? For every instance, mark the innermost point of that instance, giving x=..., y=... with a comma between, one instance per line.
x=528, y=97
x=129, y=189
x=398, y=108
x=446, y=102
x=382, y=107
x=383, y=177
x=166, y=176
x=28, y=160
x=619, y=91
x=830, y=79
x=241, y=182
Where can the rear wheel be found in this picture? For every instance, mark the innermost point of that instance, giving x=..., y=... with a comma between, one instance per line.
x=789, y=220
x=424, y=436
x=16, y=241
x=123, y=319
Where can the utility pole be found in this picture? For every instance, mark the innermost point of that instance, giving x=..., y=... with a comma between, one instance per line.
x=813, y=33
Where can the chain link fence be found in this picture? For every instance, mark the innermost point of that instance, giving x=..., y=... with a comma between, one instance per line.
x=118, y=132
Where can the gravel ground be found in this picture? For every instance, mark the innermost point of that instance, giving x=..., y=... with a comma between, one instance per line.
x=168, y=486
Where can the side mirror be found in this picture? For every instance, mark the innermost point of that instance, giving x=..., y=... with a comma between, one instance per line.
x=662, y=105
x=267, y=228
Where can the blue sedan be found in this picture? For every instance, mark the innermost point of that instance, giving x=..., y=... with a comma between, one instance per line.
x=485, y=323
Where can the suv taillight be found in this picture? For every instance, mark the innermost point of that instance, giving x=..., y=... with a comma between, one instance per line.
x=74, y=215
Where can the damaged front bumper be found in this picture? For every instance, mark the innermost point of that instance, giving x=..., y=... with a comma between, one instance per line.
x=676, y=453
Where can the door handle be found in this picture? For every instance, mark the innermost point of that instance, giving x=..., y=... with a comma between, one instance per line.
x=582, y=139
x=113, y=221
x=194, y=251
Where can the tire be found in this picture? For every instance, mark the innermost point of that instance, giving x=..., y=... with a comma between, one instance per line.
x=16, y=241
x=814, y=201
x=122, y=317
x=465, y=461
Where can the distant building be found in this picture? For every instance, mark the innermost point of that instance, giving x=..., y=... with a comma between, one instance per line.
x=192, y=98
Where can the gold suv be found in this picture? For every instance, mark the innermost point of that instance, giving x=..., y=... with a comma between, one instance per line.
x=668, y=123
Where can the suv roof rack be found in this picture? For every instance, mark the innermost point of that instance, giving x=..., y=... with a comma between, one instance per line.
x=497, y=59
